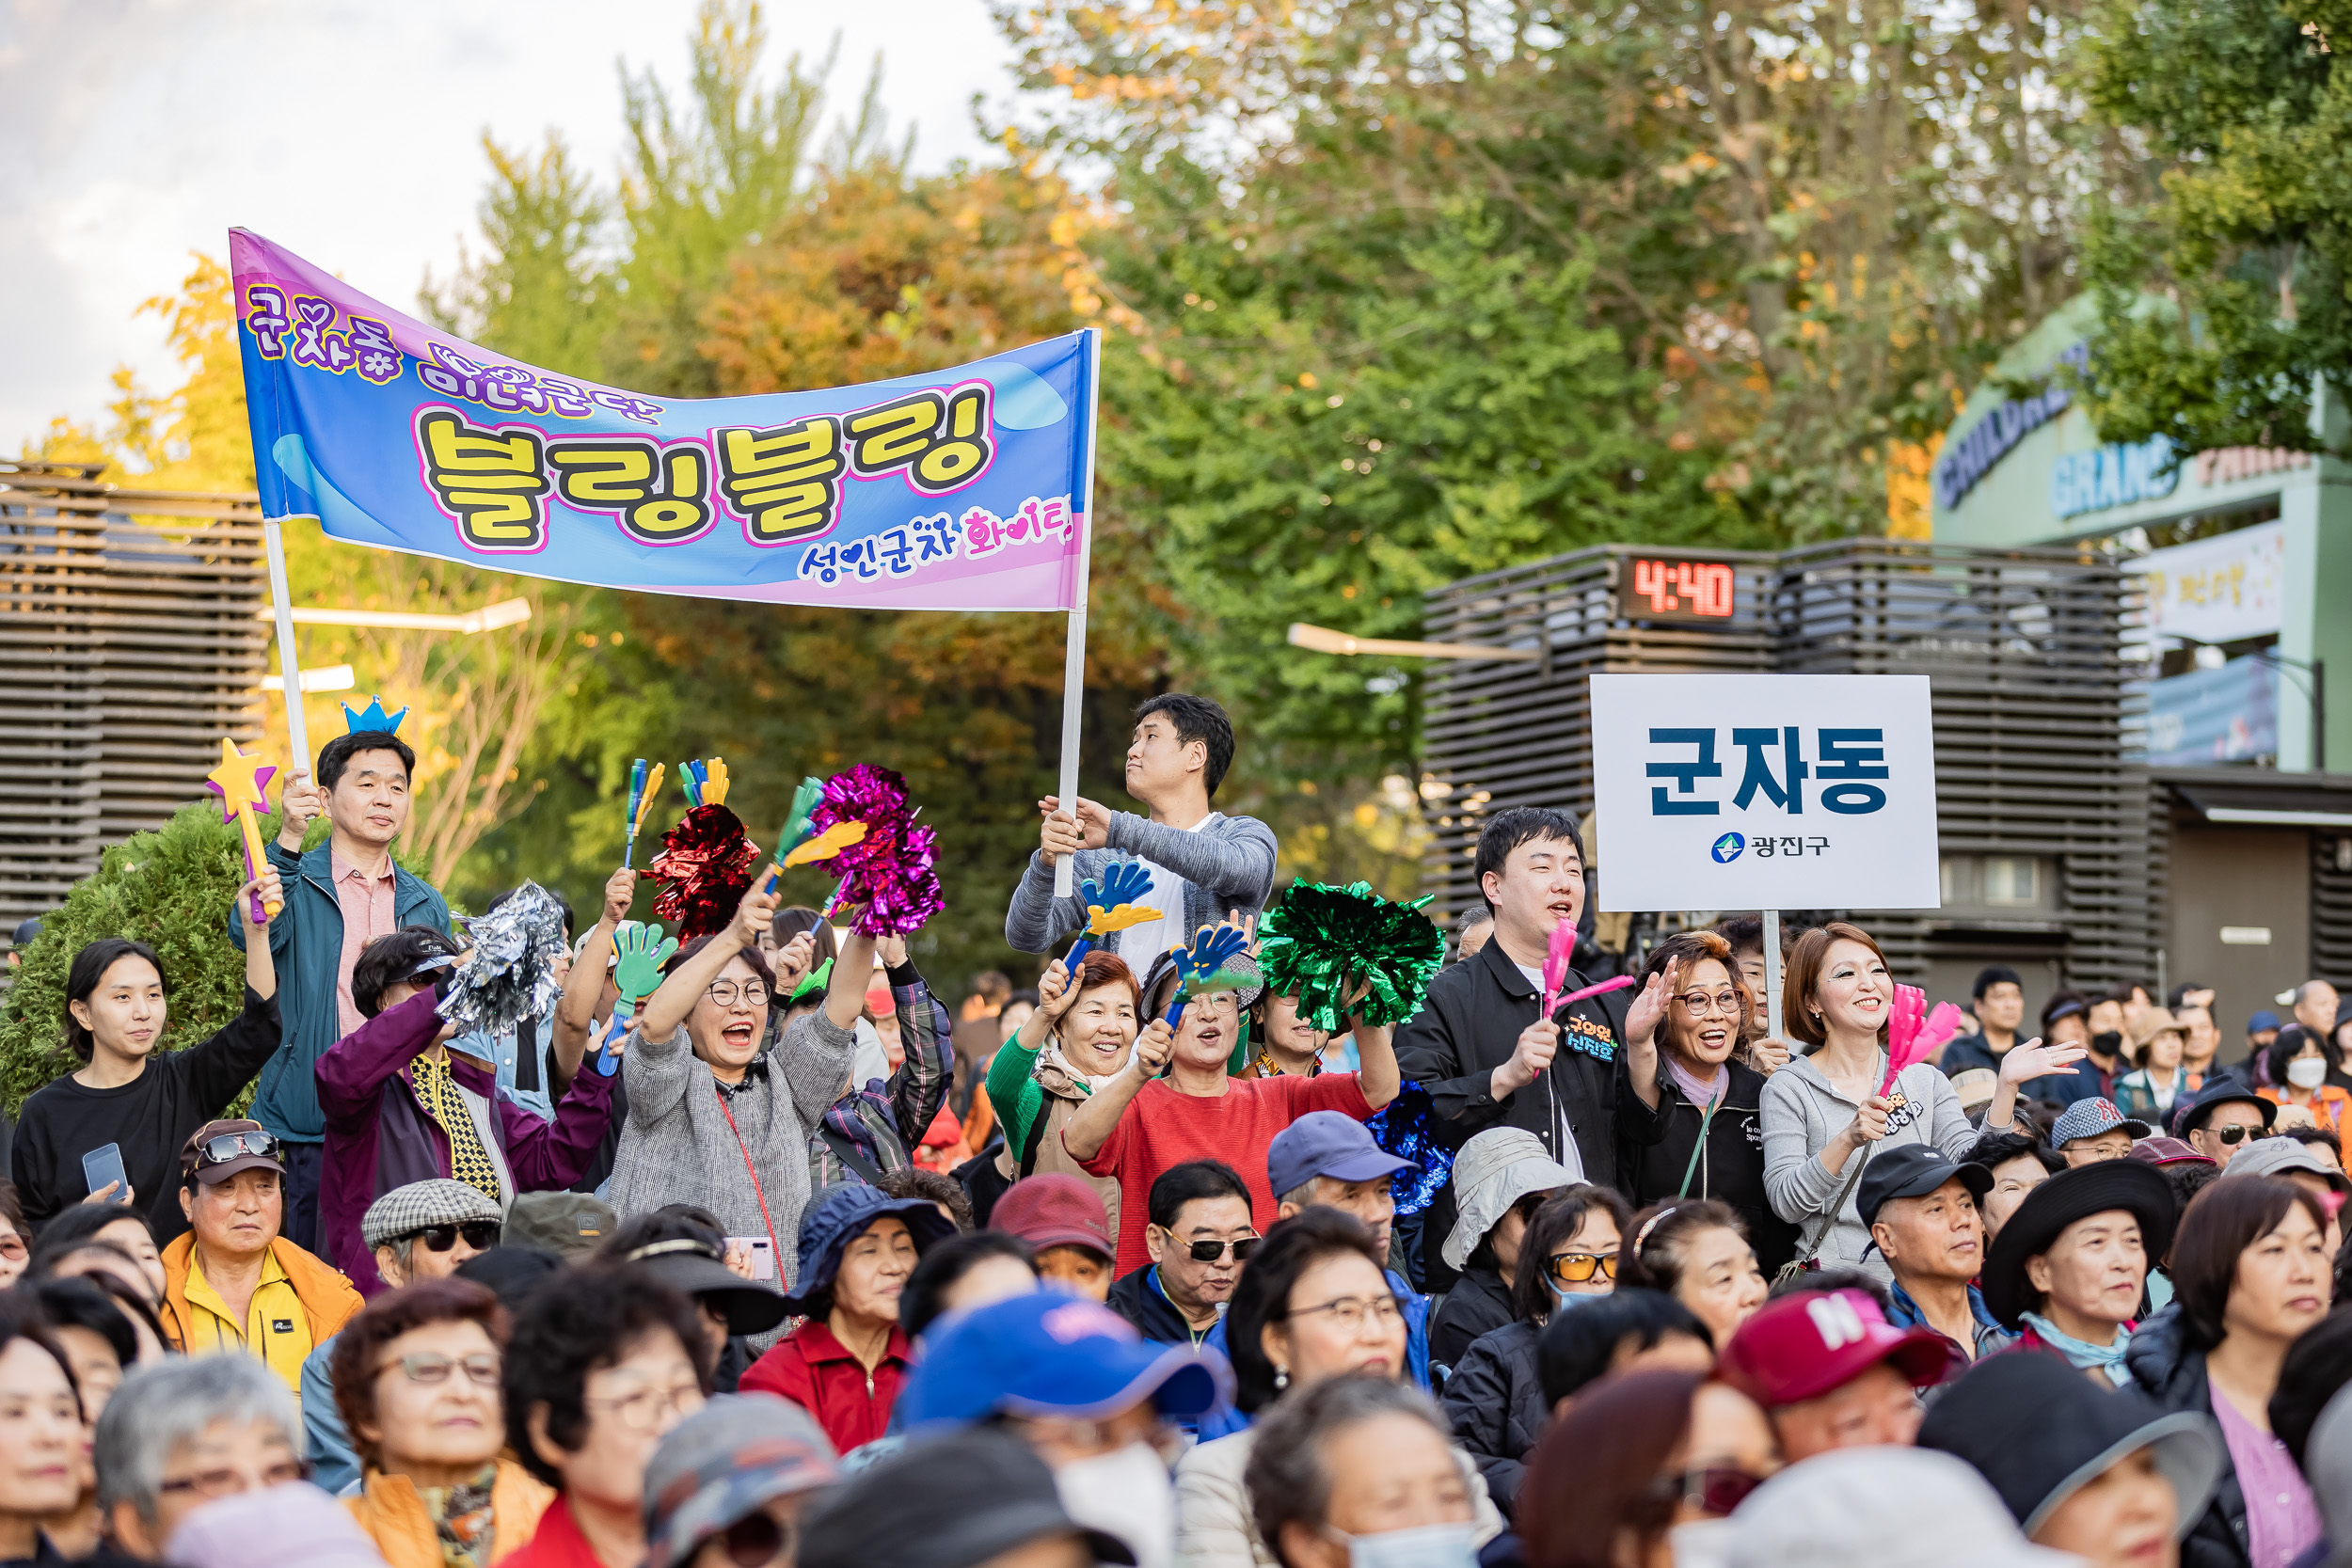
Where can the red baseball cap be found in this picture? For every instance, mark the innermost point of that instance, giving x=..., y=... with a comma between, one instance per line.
x=1802, y=1345
x=1054, y=1209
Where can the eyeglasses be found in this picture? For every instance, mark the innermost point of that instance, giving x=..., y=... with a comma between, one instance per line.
x=1699, y=1004
x=724, y=992
x=1352, y=1313
x=430, y=1369
x=223, y=1482
x=12, y=1247
x=1209, y=1252
x=754, y=1540
x=1714, y=1491
x=222, y=1148
x=643, y=1410
x=1575, y=1268
x=480, y=1235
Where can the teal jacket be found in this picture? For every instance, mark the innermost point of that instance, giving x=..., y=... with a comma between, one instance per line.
x=306, y=943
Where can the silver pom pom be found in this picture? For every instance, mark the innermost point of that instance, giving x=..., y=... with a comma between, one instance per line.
x=511, y=975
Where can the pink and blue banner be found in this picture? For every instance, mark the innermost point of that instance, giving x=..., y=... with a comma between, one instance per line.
x=963, y=489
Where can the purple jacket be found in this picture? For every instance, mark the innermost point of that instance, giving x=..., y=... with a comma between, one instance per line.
x=378, y=1137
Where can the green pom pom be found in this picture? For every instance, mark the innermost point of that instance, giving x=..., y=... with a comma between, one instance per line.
x=1322, y=941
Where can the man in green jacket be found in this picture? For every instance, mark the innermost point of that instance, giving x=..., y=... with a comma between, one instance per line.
x=339, y=898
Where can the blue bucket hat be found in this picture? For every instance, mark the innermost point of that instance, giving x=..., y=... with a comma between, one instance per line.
x=1048, y=1354
x=842, y=1215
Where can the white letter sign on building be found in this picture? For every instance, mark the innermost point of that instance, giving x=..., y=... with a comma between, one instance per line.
x=1765, y=792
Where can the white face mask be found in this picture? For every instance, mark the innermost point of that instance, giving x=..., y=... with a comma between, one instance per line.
x=1428, y=1546
x=2307, y=1072
x=1125, y=1492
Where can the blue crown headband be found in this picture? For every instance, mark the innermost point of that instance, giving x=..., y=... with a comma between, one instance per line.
x=374, y=720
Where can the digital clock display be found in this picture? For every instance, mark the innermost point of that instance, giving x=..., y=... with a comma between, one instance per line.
x=1678, y=588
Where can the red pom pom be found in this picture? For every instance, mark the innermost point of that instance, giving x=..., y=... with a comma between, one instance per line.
x=708, y=863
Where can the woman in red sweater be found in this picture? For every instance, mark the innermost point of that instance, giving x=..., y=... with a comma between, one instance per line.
x=846, y=1362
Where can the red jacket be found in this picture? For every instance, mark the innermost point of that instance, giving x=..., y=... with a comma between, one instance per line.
x=814, y=1370
x=559, y=1543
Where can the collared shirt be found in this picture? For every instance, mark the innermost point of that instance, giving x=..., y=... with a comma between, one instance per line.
x=276, y=1327
x=367, y=905
x=1990, y=1335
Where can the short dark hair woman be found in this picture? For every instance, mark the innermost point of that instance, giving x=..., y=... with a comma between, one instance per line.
x=1495, y=1398
x=130, y=1091
x=1353, y=1458
x=596, y=1373
x=44, y=1440
x=1693, y=1124
x=2250, y=1269
x=1633, y=1456
x=1697, y=1251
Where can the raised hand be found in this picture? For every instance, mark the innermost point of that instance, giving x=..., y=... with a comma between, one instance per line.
x=642, y=950
x=793, y=961
x=1055, y=993
x=2033, y=1059
x=892, y=950
x=298, y=806
x=1154, y=1046
x=754, y=917
x=620, y=891
x=1649, y=1008
x=258, y=895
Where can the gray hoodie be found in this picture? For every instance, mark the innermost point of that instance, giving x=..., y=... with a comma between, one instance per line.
x=1801, y=1113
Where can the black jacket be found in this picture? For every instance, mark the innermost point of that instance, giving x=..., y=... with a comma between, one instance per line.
x=1655, y=1147
x=1495, y=1401
x=1479, y=1304
x=2172, y=1372
x=1138, y=1298
x=1468, y=1027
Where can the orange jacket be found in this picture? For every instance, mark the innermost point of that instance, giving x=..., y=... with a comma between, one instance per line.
x=2329, y=1107
x=327, y=1298
x=393, y=1515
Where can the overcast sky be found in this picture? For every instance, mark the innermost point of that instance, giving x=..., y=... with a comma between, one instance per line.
x=138, y=130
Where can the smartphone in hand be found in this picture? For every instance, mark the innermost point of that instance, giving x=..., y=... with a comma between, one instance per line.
x=763, y=1253
x=103, y=1165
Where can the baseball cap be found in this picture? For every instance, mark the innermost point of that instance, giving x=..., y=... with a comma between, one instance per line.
x=219, y=1150
x=721, y=1463
x=1882, y=1507
x=1055, y=1209
x=954, y=1501
x=569, y=1223
x=2278, y=1156
x=2167, y=1151
x=1048, y=1354
x=1912, y=1170
x=2088, y=1118
x=1325, y=1143
x=1806, y=1343
x=2261, y=1021
x=405, y=1211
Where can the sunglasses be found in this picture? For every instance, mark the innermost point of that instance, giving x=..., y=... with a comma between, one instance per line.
x=480, y=1235
x=1575, y=1268
x=1714, y=1491
x=1209, y=1252
x=753, y=1539
x=2231, y=1134
x=222, y=1148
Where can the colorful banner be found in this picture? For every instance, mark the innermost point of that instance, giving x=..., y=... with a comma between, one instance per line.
x=963, y=489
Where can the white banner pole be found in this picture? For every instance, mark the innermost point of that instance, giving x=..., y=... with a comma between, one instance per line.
x=1771, y=975
x=281, y=600
x=1073, y=668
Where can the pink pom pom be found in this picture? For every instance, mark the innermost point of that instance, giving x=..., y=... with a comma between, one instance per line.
x=892, y=874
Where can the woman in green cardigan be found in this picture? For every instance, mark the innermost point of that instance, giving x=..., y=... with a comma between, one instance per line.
x=1079, y=1035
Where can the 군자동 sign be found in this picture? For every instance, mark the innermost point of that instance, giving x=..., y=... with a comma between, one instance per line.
x=1765, y=792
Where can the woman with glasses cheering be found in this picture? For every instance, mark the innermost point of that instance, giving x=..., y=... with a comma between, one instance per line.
x=595, y=1378
x=1495, y=1398
x=1314, y=1304
x=417, y=1377
x=1690, y=1108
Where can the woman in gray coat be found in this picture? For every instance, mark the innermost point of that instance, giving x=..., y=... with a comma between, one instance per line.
x=1823, y=1112
x=712, y=1121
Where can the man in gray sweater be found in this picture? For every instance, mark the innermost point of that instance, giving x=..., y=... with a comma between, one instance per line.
x=1205, y=864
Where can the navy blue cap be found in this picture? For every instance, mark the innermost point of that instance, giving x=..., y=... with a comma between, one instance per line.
x=2261, y=1021
x=1048, y=1354
x=1325, y=1143
x=844, y=1214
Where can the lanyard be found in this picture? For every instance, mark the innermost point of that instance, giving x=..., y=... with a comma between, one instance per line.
x=1706, y=1119
x=728, y=1110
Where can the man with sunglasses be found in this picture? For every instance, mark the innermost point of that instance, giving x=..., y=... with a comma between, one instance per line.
x=1198, y=1237
x=234, y=1283
x=2224, y=1117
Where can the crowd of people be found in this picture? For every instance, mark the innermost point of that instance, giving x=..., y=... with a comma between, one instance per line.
x=755, y=1251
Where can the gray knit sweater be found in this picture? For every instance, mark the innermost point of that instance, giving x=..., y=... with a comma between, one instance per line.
x=678, y=1147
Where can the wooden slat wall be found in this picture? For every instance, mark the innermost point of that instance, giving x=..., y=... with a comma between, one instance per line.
x=2023, y=649
x=129, y=638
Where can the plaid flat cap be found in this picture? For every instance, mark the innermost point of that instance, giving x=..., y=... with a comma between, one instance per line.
x=404, y=1210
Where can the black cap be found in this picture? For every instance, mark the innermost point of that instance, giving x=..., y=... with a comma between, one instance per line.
x=1912, y=1170
x=951, y=1502
x=2221, y=1089
x=2039, y=1432
x=2132, y=1185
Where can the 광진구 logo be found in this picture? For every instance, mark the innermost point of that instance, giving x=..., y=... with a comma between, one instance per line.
x=1728, y=849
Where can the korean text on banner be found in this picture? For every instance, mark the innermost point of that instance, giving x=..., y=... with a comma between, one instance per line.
x=956, y=490
x=1765, y=792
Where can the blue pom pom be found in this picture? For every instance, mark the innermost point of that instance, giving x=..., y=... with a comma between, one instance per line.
x=1407, y=1127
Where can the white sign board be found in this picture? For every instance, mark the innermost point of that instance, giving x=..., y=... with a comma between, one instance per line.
x=1765, y=792
x=2218, y=589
